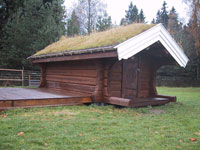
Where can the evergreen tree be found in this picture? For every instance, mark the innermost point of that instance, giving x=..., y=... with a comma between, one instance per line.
x=73, y=25
x=158, y=17
x=173, y=25
x=123, y=22
x=132, y=14
x=32, y=27
x=141, y=17
x=104, y=22
x=153, y=21
x=164, y=14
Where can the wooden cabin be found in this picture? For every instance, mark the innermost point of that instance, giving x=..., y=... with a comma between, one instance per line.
x=117, y=66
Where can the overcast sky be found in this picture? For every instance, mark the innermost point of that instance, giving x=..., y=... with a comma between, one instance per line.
x=116, y=8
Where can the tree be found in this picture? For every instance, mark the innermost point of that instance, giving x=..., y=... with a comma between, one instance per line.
x=73, y=25
x=31, y=27
x=195, y=28
x=132, y=14
x=123, y=22
x=88, y=12
x=153, y=21
x=158, y=17
x=141, y=17
x=173, y=25
x=104, y=22
x=162, y=15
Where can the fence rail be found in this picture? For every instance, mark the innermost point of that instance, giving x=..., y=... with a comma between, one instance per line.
x=15, y=77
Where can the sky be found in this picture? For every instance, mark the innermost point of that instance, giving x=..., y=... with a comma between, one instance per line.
x=116, y=8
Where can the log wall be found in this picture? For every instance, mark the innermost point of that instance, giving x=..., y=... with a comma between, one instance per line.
x=112, y=78
x=78, y=77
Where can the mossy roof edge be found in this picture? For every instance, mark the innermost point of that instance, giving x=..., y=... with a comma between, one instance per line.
x=97, y=40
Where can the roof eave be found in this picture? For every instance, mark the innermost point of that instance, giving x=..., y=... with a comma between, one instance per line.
x=79, y=53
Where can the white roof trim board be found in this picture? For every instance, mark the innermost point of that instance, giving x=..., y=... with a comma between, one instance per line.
x=157, y=33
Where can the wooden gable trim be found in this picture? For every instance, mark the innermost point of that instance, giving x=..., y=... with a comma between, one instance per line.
x=77, y=57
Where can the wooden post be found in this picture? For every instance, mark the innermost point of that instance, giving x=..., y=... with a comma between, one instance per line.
x=22, y=76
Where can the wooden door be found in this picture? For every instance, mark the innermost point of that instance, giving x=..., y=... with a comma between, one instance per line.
x=129, y=78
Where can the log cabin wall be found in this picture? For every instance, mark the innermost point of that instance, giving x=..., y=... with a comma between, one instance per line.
x=112, y=78
x=120, y=78
x=76, y=77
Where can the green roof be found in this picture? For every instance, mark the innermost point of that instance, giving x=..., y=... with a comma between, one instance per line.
x=113, y=36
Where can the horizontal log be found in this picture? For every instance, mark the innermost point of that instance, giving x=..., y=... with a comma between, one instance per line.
x=80, y=73
x=108, y=54
x=54, y=101
x=72, y=79
x=172, y=98
x=117, y=101
x=5, y=103
x=70, y=86
x=72, y=67
x=71, y=92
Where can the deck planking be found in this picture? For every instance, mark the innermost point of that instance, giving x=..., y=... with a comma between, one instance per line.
x=37, y=97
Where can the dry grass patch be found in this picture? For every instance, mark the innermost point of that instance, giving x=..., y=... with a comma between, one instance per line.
x=97, y=39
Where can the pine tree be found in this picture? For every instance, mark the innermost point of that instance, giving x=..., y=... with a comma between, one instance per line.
x=153, y=21
x=73, y=25
x=132, y=14
x=173, y=24
x=164, y=14
x=104, y=22
x=123, y=22
x=158, y=17
x=141, y=17
x=31, y=28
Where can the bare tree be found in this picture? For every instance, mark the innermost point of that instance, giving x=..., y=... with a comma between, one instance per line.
x=88, y=12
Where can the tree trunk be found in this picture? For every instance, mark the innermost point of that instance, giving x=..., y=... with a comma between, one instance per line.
x=89, y=17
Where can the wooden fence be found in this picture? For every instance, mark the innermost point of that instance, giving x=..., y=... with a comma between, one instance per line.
x=15, y=77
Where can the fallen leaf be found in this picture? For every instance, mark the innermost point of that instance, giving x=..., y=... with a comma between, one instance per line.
x=80, y=134
x=193, y=139
x=20, y=133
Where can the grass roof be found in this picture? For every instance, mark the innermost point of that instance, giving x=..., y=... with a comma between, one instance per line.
x=97, y=39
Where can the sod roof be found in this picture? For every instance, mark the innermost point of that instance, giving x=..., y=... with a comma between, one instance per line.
x=110, y=37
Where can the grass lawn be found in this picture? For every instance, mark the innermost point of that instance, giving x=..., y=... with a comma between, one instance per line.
x=169, y=127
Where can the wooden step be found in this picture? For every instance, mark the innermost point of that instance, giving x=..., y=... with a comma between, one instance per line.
x=137, y=102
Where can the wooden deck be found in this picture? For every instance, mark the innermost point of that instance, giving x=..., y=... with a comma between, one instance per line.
x=27, y=97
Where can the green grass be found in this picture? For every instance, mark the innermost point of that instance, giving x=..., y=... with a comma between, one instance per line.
x=168, y=127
